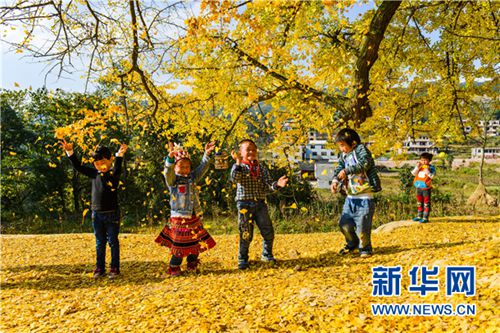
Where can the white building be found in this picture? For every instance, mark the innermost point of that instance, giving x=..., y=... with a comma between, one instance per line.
x=421, y=144
x=316, y=149
x=489, y=152
x=492, y=127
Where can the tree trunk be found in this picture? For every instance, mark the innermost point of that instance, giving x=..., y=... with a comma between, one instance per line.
x=368, y=54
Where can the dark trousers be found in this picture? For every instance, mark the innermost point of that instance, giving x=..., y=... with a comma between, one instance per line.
x=250, y=213
x=177, y=261
x=106, y=229
x=424, y=203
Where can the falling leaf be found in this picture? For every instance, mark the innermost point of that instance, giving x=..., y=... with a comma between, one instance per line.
x=243, y=211
x=52, y=165
x=84, y=213
x=12, y=153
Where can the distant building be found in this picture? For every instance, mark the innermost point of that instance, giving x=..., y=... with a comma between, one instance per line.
x=316, y=149
x=489, y=152
x=418, y=145
x=492, y=127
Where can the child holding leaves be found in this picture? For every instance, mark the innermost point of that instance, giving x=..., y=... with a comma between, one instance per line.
x=105, y=212
x=185, y=235
x=357, y=173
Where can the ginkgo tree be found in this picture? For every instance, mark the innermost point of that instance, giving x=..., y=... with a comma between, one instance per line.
x=398, y=68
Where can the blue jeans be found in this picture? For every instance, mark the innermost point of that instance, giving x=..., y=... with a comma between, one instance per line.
x=177, y=261
x=249, y=214
x=356, y=223
x=106, y=228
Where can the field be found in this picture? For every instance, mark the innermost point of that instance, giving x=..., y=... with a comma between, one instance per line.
x=47, y=284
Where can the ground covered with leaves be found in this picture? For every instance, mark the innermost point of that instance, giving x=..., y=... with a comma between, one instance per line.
x=47, y=284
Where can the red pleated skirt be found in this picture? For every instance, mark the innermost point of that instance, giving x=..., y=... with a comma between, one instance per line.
x=185, y=236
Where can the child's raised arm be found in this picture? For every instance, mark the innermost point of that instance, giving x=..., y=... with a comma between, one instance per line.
x=168, y=171
x=77, y=165
x=236, y=172
x=117, y=167
x=200, y=171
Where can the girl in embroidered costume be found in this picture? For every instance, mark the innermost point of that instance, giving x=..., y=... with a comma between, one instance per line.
x=184, y=234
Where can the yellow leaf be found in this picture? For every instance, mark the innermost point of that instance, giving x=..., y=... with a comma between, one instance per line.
x=84, y=213
x=305, y=175
x=292, y=206
x=324, y=172
x=52, y=165
x=13, y=153
x=304, y=209
x=16, y=84
x=208, y=181
x=243, y=211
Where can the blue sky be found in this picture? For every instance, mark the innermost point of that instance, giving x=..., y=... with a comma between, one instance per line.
x=20, y=71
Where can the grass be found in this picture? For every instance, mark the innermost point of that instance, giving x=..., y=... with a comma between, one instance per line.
x=452, y=188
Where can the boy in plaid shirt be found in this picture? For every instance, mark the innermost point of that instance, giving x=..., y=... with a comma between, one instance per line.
x=253, y=184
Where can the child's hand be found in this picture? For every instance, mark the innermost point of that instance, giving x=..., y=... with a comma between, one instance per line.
x=67, y=146
x=342, y=175
x=282, y=181
x=209, y=147
x=419, y=164
x=171, y=149
x=236, y=156
x=122, y=150
x=334, y=187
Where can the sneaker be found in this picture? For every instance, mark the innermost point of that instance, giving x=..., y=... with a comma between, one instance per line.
x=270, y=260
x=346, y=250
x=193, y=266
x=243, y=265
x=365, y=254
x=424, y=220
x=98, y=273
x=174, y=270
x=417, y=219
x=113, y=273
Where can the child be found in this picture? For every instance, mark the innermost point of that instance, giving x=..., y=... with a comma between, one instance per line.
x=105, y=212
x=185, y=235
x=423, y=172
x=357, y=170
x=253, y=184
